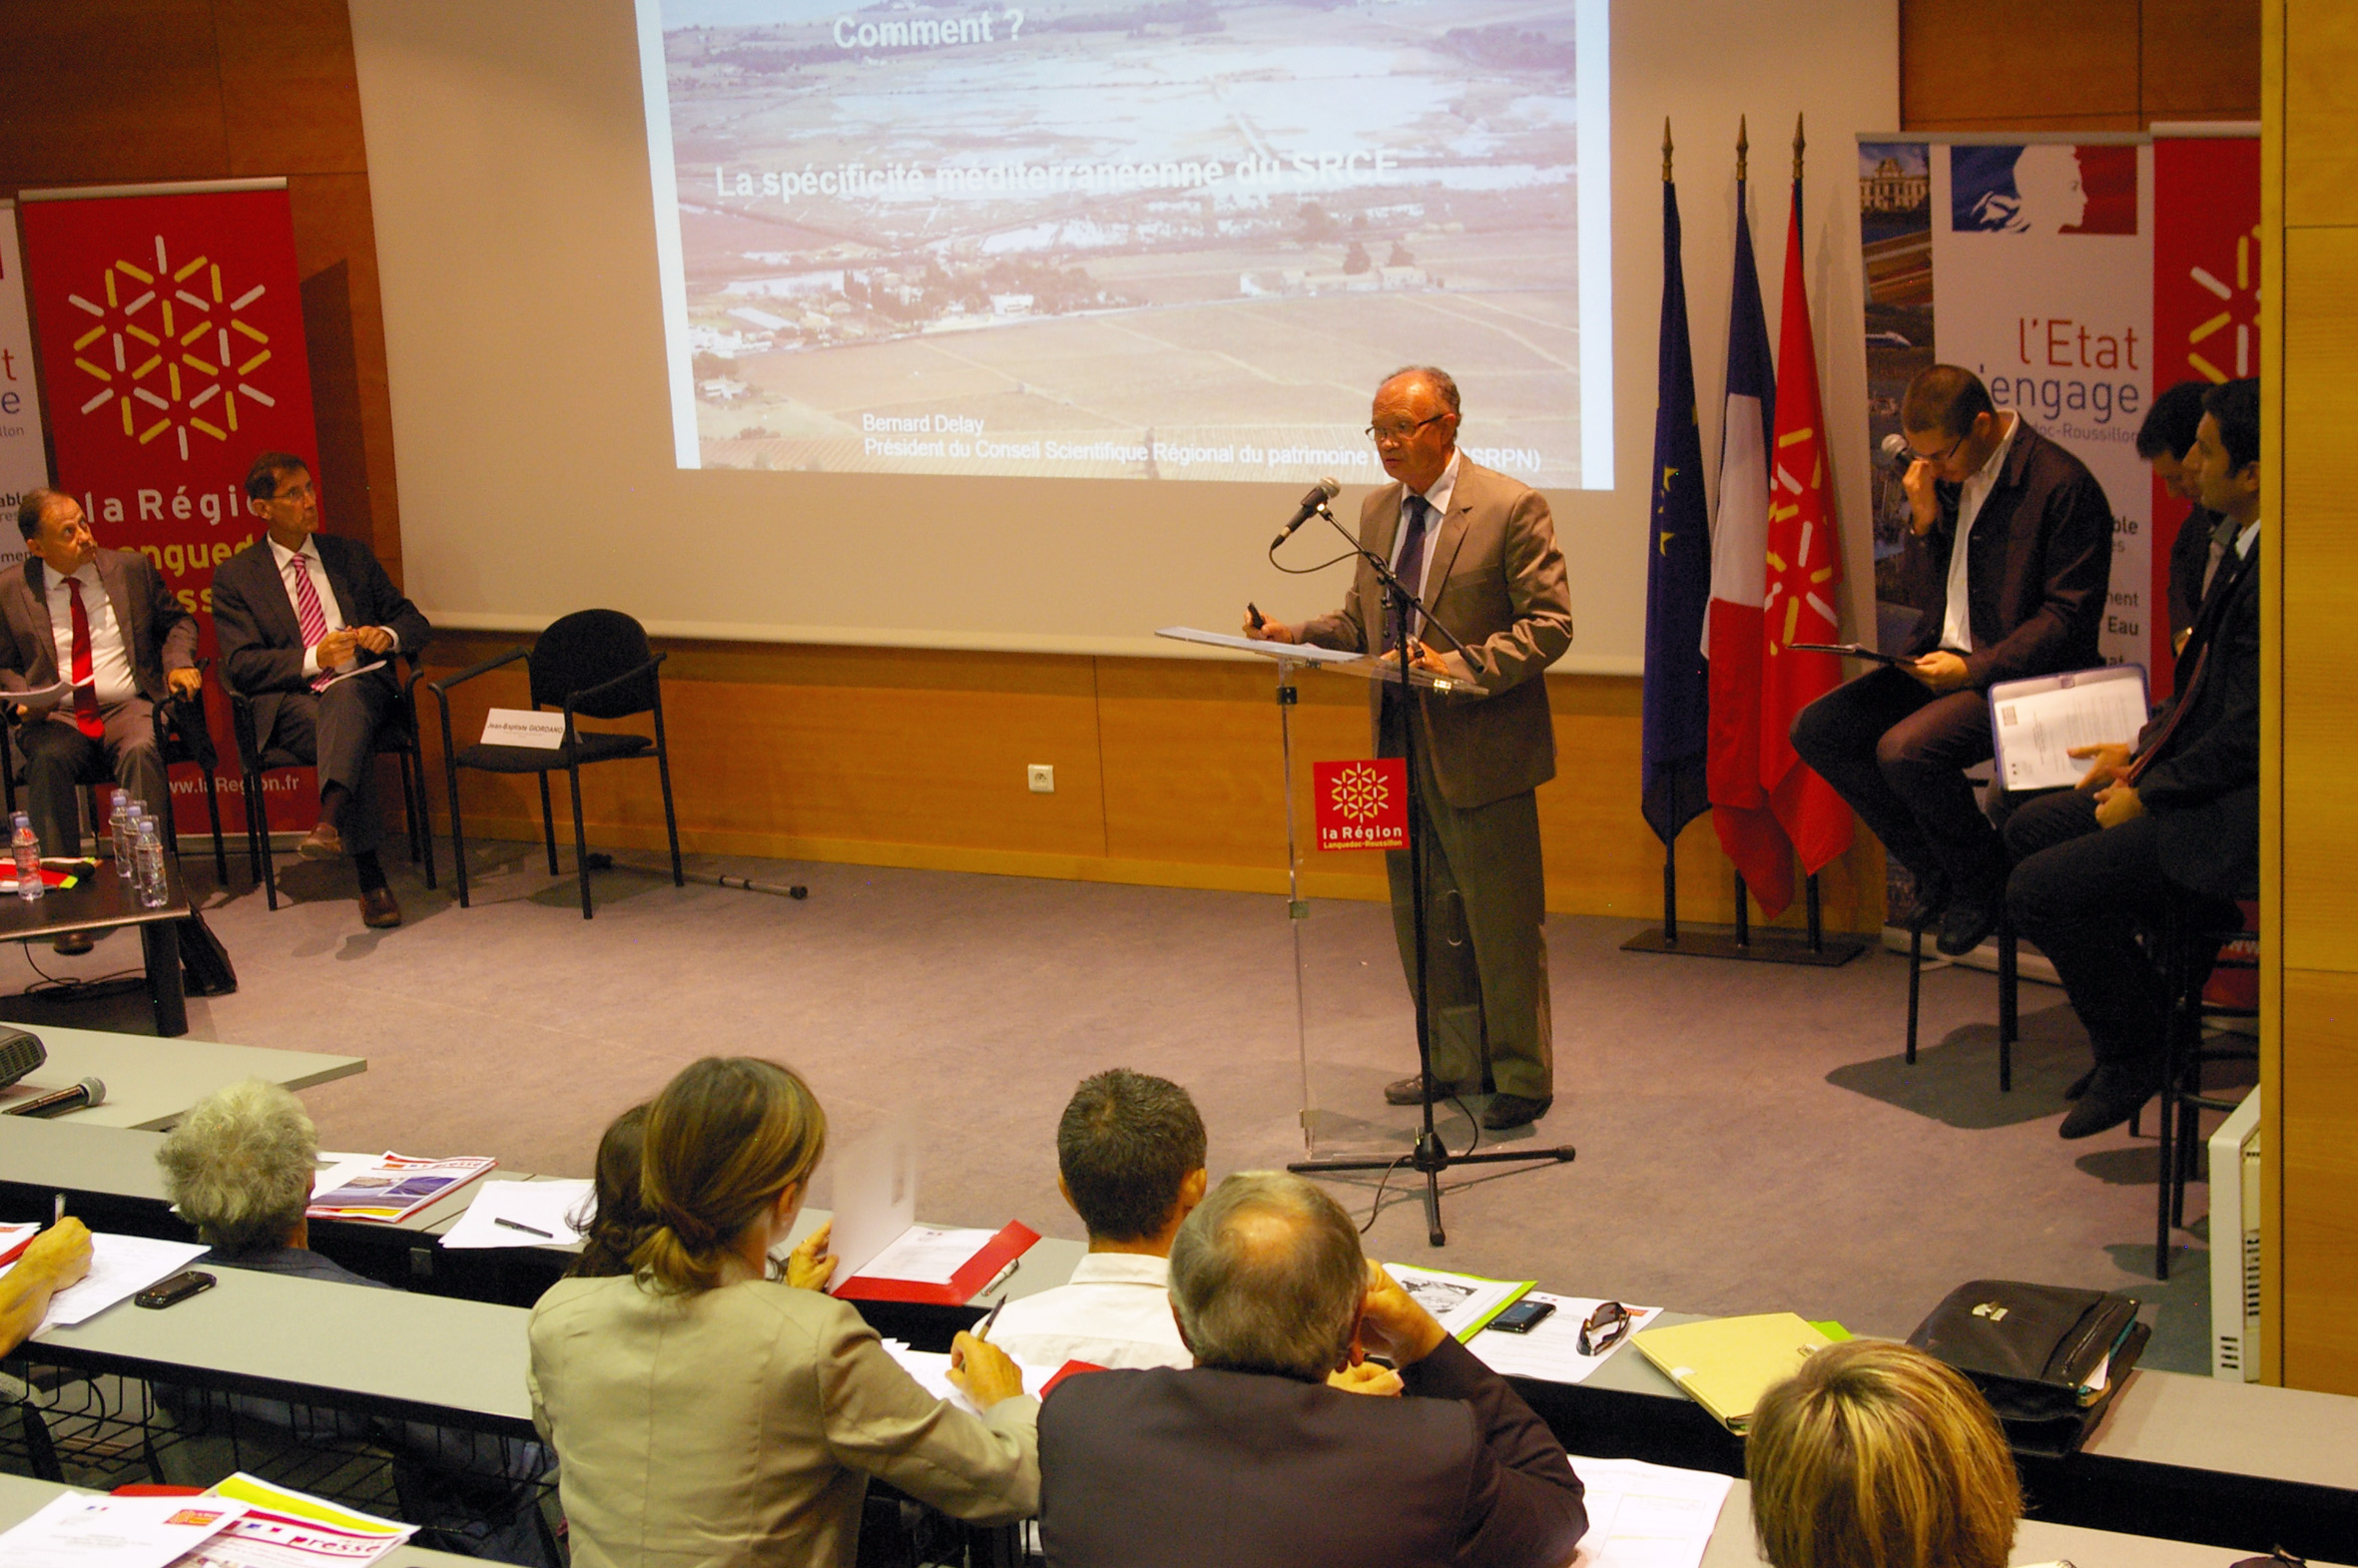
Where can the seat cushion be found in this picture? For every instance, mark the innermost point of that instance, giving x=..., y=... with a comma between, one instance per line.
x=594, y=746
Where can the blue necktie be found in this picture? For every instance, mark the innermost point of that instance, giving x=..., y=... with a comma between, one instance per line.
x=1411, y=570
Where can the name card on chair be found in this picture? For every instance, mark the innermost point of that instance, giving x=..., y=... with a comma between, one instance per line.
x=543, y=732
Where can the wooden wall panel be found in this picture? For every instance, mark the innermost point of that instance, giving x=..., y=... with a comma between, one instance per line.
x=2102, y=65
x=110, y=93
x=2319, y=535
x=2200, y=60
x=2321, y=110
x=2320, y=1165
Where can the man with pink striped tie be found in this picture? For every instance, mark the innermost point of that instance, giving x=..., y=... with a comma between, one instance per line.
x=310, y=626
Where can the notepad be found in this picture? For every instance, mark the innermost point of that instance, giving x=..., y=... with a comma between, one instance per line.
x=1726, y=1364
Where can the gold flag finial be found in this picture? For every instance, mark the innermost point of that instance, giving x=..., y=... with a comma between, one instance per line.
x=1798, y=144
x=1666, y=149
x=1743, y=146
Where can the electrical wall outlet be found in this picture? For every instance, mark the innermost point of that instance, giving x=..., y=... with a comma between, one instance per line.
x=1042, y=777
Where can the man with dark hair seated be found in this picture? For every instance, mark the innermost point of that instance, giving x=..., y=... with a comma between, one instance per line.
x=1130, y=1161
x=1248, y=1459
x=2173, y=819
x=2204, y=538
x=2011, y=550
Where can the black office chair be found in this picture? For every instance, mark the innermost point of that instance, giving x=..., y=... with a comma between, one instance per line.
x=2193, y=928
x=397, y=738
x=594, y=663
x=182, y=736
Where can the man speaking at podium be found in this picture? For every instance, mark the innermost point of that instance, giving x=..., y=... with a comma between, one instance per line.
x=1480, y=548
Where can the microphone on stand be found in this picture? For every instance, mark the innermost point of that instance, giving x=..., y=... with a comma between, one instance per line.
x=90, y=1091
x=1312, y=504
x=1896, y=453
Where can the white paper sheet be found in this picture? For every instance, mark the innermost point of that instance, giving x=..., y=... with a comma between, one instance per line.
x=931, y=1371
x=924, y=1254
x=1305, y=653
x=1551, y=1351
x=875, y=1196
x=1648, y=1515
x=120, y=1268
x=545, y=1207
x=291, y=1529
x=1459, y=1300
x=2037, y=722
x=80, y=1531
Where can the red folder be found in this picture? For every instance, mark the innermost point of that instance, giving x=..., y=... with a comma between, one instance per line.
x=1068, y=1370
x=973, y=1274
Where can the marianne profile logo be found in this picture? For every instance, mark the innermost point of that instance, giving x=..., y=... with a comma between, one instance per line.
x=169, y=351
x=2042, y=188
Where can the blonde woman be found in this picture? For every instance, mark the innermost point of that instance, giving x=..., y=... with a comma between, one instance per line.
x=1877, y=1455
x=704, y=1412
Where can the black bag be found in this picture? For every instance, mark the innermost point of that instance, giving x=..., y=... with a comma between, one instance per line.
x=204, y=962
x=2048, y=1358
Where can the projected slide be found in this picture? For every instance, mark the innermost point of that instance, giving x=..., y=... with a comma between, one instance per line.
x=1173, y=241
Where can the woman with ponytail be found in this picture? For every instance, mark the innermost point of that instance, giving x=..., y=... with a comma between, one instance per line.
x=704, y=1410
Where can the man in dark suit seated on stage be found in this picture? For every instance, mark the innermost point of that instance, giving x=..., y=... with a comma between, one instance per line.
x=2175, y=817
x=297, y=612
x=2012, y=553
x=1248, y=1459
x=2203, y=539
x=103, y=618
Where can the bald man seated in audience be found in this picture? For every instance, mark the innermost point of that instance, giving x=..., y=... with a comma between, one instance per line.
x=1130, y=1161
x=1248, y=1459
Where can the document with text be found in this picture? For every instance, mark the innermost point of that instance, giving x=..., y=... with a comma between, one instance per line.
x=2035, y=725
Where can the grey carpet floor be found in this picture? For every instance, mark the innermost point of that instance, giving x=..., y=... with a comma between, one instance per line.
x=1748, y=1136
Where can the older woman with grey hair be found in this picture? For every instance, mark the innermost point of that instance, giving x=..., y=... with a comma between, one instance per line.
x=239, y=1168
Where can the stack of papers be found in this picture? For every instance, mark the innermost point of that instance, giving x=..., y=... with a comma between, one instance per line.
x=931, y=1371
x=290, y=1529
x=1648, y=1515
x=535, y=1214
x=1463, y=1303
x=81, y=1531
x=389, y=1187
x=1551, y=1353
x=120, y=1268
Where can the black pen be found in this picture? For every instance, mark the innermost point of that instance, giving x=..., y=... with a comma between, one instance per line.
x=546, y=1236
x=1254, y=610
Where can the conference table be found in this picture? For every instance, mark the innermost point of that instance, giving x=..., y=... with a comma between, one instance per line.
x=150, y=1083
x=103, y=901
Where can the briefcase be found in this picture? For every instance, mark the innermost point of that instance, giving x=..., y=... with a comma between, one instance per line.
x=204, y=962
x=2048, y=1357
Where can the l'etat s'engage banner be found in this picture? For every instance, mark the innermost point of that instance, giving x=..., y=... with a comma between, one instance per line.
x=23, y=466
x=172, y=350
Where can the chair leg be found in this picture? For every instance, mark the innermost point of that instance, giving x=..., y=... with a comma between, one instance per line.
x=1915, y=986
x=580, y=838
x=426, y=812
x=221, y=852
x=548, y=821
x=258, y=824
x=2007, y=1021
x=457, y=828
x=671, y=823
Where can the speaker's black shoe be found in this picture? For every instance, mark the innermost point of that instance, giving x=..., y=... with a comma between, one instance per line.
x=2115, y=1094
x=2079, y=1085
x=1932, y=898
x=1414, y=1089
x=1966, y=924
x=1514, y=1110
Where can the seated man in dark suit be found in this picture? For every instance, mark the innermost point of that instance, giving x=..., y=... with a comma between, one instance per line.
x=2203, y=539
x=1248, y=1459
x=2175, y=817
x=294, y=611
x=2011, y=550
x=103, y=618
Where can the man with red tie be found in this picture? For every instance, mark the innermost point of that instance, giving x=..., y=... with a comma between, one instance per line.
x=102, y=618
x=310, y=627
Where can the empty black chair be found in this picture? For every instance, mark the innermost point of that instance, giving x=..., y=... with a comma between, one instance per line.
x=397, y=738
x=594, y=663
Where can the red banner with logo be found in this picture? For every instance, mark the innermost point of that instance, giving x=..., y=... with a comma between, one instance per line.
x=171, y=334
x=1361, y=805
x=2207, y=299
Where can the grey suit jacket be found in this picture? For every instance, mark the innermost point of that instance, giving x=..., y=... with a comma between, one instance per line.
x=262, y=645
x=162, y=636
x=1497, y=581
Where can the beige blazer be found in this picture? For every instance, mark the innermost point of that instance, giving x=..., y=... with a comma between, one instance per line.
x=1496, y=580
x=741, y=1426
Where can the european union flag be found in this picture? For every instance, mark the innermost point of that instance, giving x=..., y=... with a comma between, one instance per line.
x=1677, y=731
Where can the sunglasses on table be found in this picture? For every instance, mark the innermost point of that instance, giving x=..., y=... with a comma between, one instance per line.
x=1607, y=1327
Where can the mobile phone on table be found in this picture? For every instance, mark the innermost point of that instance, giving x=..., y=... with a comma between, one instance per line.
x=1522, y=1316
x=177, y=1289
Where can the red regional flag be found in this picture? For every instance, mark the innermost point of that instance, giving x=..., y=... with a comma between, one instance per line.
x=1804, y=573
x=1732, y=634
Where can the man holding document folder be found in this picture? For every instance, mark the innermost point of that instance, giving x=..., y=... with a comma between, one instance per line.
x=2175, y=817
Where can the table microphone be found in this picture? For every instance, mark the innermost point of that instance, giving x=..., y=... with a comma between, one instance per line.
x=58, y=1101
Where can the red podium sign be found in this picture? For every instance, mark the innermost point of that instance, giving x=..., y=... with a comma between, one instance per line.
x=1361, y=805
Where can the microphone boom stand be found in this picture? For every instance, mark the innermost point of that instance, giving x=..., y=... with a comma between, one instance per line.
x=1431, y=1156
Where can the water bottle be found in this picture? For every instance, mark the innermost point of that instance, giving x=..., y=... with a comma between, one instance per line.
x=28, y=859
x=127, y=818
x=150, y=855
x=118, y=827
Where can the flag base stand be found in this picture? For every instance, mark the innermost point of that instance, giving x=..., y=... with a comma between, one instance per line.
x=1813, y=948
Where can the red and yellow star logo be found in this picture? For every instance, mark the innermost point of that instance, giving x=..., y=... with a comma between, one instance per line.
x=170, y=350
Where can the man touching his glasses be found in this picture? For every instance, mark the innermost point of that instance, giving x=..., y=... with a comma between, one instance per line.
x=2011, y=553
